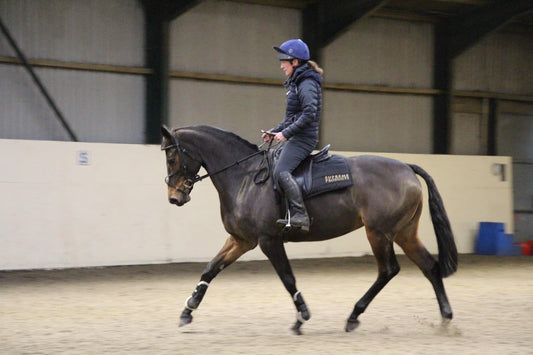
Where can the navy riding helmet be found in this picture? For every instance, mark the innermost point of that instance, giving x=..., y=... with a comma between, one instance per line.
x=293, y=49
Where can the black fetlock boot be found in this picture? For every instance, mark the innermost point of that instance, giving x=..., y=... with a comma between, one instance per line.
x=298, y=213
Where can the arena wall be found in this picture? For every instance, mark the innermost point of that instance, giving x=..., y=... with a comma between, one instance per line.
x=91, y=204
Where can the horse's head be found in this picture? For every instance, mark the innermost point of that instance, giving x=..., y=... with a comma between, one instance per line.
x=182, y=168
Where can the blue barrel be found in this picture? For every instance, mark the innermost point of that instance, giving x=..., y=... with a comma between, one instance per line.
x=489, y=235
x=506, y=245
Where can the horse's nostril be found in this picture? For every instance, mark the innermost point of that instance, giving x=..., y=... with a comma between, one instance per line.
x=173, y=201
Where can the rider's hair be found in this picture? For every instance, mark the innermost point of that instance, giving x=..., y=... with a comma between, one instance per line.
x=315, y=67
x=312, y=64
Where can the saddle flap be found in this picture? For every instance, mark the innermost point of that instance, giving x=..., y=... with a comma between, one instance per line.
x=304, y=172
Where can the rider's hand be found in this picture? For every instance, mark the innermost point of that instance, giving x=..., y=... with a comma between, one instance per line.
x=279, y=137
x=267, y=136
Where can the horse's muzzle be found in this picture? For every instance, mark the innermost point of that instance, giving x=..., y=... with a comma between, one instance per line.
x=180, y=198
x=179, y=202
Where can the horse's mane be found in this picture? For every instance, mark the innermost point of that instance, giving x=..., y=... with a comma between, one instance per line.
x=230, y=137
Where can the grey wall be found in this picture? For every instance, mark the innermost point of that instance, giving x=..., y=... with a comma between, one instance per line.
x=105, y=107
x=515, y=133
x=500, y=62
x=232, y=38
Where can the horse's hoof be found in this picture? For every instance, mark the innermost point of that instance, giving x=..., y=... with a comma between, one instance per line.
x=184, y=320
x=445, y=322
x=295, y=330
x=186, y=317
x=350, y=326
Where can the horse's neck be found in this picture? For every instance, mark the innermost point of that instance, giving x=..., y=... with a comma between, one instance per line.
x=218, y=154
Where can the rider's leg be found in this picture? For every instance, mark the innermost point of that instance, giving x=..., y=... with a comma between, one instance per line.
x=292, y=154
x=298, y=213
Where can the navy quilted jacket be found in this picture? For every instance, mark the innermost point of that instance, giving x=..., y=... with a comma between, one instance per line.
x=304, y=105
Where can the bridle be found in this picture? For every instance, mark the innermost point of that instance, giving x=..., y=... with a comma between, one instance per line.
x=192, y=178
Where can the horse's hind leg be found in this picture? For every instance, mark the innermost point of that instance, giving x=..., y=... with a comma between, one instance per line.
x=415, y=250
x=275, y=251
x=388, y=267
x=231, y=251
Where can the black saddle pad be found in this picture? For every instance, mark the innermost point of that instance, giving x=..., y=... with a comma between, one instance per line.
x=323, y=176
x=322, y=172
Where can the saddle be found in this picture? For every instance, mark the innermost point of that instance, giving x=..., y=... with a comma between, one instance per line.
x=321, y=172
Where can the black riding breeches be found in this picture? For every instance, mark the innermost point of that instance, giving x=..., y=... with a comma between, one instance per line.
x=292, y=154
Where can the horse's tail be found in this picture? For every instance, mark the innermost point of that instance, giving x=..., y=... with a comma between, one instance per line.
x=441, y=225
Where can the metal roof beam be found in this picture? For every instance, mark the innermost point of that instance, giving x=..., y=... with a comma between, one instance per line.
x=467, y=29
x=324, y=21
x=330, y=19
x=338, y=18
x=169, y=9
x=176, y=8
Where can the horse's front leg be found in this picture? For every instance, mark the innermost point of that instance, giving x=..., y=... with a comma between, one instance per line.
x=273, y=248
x=231, y=251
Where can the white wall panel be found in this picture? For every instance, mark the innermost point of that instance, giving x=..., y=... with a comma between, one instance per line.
x=56, y=213
x=377, y=122
x=382, y=52
x=232, y=38
x=501, y=62
x=95, y=31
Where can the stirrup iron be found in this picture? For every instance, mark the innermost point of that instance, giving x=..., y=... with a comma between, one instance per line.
x=288, y=226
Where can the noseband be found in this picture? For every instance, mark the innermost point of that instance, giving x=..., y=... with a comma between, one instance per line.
x=190, y=179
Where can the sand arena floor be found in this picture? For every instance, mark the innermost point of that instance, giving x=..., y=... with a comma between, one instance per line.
x=136, y=309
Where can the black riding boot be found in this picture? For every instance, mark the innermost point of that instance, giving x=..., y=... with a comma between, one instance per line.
x=298, y=212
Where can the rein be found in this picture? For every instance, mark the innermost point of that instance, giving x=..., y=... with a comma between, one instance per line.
x=200, y=178
x=190, y=181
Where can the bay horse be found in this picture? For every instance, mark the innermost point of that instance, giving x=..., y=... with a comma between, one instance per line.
x=385, y=198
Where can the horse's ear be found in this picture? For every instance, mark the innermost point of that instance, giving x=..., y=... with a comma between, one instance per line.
x=166, y=132
x=167, y=137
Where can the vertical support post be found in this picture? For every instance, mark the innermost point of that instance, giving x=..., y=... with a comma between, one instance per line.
x=492, y=146
x=442, y=81
x=312, y=30
x=157, y=83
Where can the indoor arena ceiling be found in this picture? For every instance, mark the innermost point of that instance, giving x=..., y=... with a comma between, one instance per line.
x=416, y=10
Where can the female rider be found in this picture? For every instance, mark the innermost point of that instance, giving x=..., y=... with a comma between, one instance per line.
x=300, y=127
